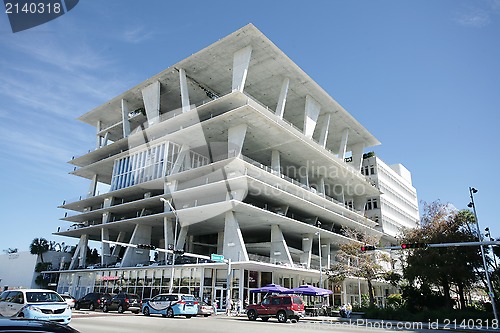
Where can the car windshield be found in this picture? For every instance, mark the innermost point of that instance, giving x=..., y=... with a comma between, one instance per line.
x=188, y=298
x=42, y=297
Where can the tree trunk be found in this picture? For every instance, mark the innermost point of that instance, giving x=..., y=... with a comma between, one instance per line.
x=370, y=293
x=461, y=294
x=446, y=292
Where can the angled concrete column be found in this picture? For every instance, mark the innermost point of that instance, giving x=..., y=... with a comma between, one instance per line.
x=234, y=246
x=305, y=257
x=134, y=256
x=184, y=91
x=92, y=187
x=359, y=203
x=343, y=143
x=151, y=97
x=169, y=187
x=181, y=239
x=304, y=178
x=117, y=248
x=125, y=120
x=235, y=139
x=179, y=162
x=80, y=256
x=311, y=116
x=357, y=155
x=220, y=242
x=168, y=232
x=276, y=161
x=280, y=108
x=98, y=136
x=106, y=251
x=321, y=185
x=325, y=254
x=105, y=139
x=106, y=215
x=241, y=60
x=279, y=249
x=323, y=135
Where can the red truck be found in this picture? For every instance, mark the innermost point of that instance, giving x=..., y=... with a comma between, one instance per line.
x=283, y=307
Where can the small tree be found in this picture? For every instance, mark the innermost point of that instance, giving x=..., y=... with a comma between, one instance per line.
x=352, y=262
x=442, y=267
x=39, y=246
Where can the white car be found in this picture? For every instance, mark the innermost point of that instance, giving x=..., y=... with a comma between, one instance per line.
x=35, y=304
x=70, y=300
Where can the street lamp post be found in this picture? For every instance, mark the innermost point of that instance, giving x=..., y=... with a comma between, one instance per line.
x=172, y=209
x=472, y=205
x=488, y=235
x=320, y=265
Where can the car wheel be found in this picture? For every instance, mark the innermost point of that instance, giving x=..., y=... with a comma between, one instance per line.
x=281, y=317
x=206, y=315
x=105, y=308
x=265, y=318
x=120, y=308
x=92, y=307
x=77, y=306
x=188, y=316
x=136, y=311
x=146, y=311
x=170, y=313
x=252, y=315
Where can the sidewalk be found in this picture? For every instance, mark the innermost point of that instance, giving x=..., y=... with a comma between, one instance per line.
x=469, y=326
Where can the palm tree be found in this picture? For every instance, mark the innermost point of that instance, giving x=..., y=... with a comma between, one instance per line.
x=39, y=246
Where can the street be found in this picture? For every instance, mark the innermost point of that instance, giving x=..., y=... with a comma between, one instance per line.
x=124, y=323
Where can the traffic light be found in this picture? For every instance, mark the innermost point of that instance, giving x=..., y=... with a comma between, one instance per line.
x=413, y=246
x=146, y=246
x=367, y=248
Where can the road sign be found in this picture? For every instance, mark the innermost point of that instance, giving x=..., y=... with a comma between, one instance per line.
x=217, y=257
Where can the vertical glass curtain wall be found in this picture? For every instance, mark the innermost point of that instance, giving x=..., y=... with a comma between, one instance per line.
x=152, y=163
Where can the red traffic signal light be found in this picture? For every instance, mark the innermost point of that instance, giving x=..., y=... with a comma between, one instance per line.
x=413, y=246
x=367, y=248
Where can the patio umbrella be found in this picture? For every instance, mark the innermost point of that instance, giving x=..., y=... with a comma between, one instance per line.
x=271, y=288
x=310, y=291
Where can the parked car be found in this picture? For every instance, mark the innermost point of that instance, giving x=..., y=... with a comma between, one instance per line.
x=170, y=305
x=23, y=325
x=204, y=309
x=123, y=302
x=70, y=300
x=92, y=301
x=283, y=307
x=35, y=304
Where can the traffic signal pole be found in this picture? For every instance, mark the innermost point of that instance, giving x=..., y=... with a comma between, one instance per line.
x=457, y=244
x=481, y=244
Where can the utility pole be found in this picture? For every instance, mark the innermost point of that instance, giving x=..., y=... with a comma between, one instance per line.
x=472, y=190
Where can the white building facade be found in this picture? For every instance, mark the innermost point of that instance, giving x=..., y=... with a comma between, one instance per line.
x=396, y=206
x=249, y=151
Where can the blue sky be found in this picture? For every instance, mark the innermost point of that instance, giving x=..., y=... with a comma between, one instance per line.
x=422, y=76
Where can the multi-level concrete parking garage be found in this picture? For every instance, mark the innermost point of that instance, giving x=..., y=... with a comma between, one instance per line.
x=233, y=151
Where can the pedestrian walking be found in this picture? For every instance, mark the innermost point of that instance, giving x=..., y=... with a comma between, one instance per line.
x=214, y=306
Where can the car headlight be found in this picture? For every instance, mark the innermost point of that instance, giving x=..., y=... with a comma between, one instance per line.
x=34, y=308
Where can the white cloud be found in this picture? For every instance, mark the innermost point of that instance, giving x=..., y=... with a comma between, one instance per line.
x=136, y=35
x=476, y=18
x=479, y=15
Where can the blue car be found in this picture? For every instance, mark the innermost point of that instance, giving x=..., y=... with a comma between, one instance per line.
x=170, y=305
